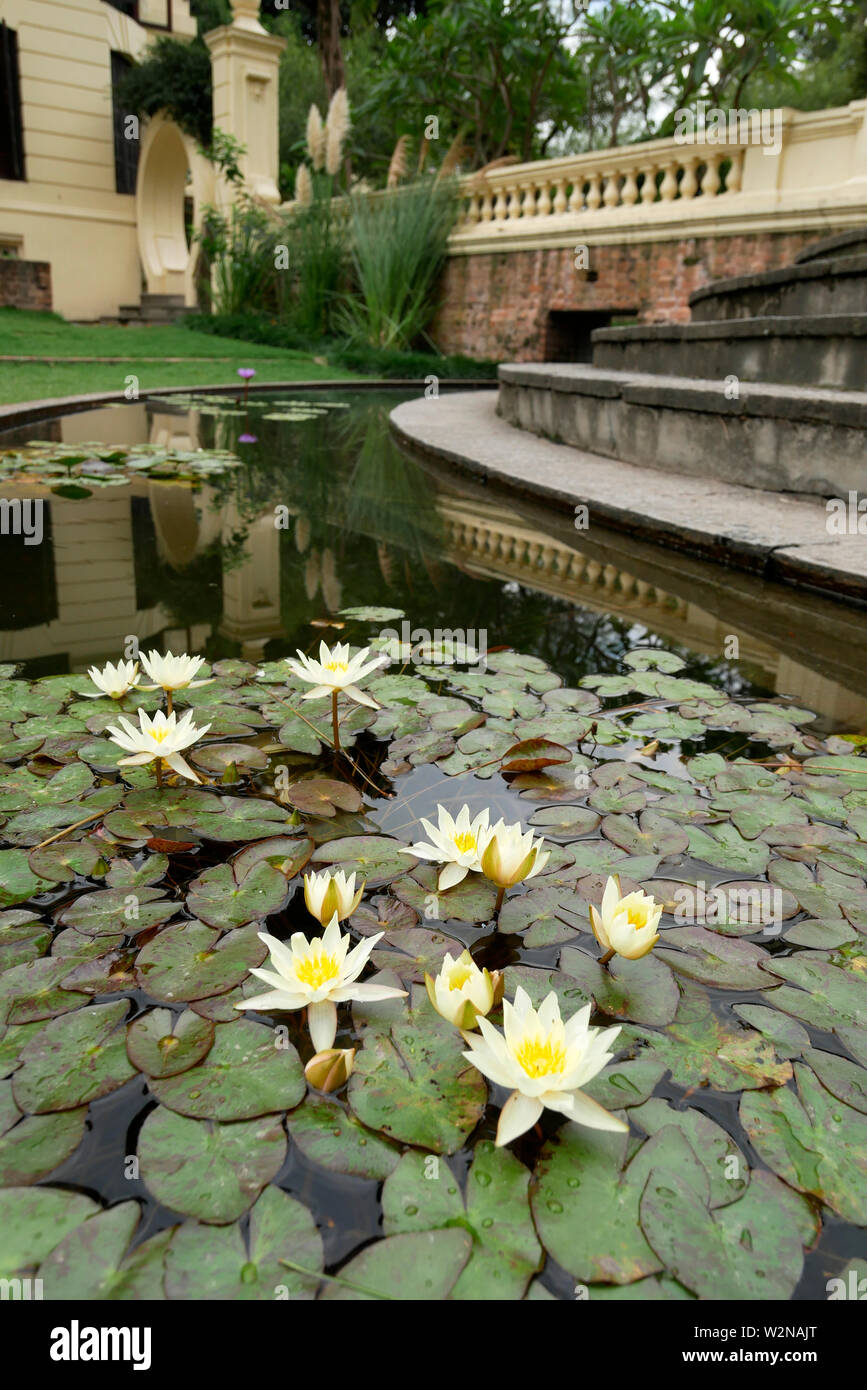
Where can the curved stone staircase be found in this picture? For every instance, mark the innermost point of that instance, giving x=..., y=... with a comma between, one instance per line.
x=766, y=387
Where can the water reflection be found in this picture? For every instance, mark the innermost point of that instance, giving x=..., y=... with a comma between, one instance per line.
x=328, y=512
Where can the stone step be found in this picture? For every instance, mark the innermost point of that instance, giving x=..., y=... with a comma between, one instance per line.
x=155, y=308
x=851, y=243
x=830, y=286
x=827, y=350
x=777, y=437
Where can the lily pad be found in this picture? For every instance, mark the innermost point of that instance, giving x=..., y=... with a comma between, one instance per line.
x=33, y=991
x=375, y=858
x=842, y=1078
x=36, y=1219
x=245, y=1075
x=159, y=1044
x=18, y=882
x=115, y=910
x=727, y=1169
x=327, y=1135
x=218, y=899
x=721, y=961
x=495, y=1209
x=642, y=990
x=191, y=961
x=472, y=900
x=211, y=1171
x=38, y=1144
x=813, y=1141
x=421, y=1267
x=73, y=1060
x=414, y=1085
x=222, y=1263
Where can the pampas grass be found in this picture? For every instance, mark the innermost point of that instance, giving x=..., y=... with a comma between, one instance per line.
x=303, y=186
x=398, y=166
x=336, y=130
x=315, y=137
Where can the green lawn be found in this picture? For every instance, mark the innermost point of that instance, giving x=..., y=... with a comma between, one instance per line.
x=24, y=334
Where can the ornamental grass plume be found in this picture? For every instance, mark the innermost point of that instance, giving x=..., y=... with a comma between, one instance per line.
x=336, y=130
x=315, y=137
x=303, y=187
x=398, y=165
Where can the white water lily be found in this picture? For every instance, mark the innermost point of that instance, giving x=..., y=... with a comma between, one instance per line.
x=328, y=893
x=456, y=842
x=461, y=991
x=544, y=1062
x=159, y=739
x=335, y=672
x=510, y=856
x=114, y=681
x=626, y=925
x=170, y=672
x=317, y=975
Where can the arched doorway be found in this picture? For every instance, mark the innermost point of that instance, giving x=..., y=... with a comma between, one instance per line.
x=171, y=171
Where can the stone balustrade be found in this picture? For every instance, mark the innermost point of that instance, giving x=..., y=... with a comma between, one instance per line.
x=775, y=170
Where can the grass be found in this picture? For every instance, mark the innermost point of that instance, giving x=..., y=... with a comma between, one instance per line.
x=25, y=334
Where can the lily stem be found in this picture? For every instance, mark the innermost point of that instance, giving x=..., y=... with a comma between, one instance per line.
x=603, y=960
x=169, y=701
x=501, y=893
x=159, y=767
x=335, y=723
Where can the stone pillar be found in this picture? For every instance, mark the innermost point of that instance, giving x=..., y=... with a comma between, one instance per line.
x=244, y=62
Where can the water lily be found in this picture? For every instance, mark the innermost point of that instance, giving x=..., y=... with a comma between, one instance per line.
x=317, y=975
x=455, y=842
x=336, y=671
x=246, y=373
x=461, y=991
x=330, y=1069
x=627, y=925
x=114, y=681
x=328, y=893
x=510, y=857
x=171, y=673
x=160, y=739
x=544, y=1062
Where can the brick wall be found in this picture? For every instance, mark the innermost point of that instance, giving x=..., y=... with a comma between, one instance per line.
x=497, y=305
x=25, y=284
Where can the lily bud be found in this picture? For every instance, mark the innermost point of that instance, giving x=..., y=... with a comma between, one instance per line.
x=627, y=925
x=329, y=1070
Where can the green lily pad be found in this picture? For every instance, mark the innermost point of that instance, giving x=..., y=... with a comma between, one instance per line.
x=63, y=860
x=111, y=910
x=749, y=1250
x=788, y=1037
x=547, y=916
x=472, y=900
x=375, y=858
x=38, y=1144
x=699, y=1049
x=36, y=1219
x=244, y=1075
x=218, y=899
x=327, y=1135
x=213, y=1172
x=228, y=760
x=87, y=1262
x=654, y=834
x=828, y=996
x=32, y=991
x=159, y=1044
x=420, y=1267
x=416, y=952
x=727, y=1170
x=191, y=961
x=625, y=1084
x=414, y=1085
x=495, y=1210
x=585, y=1203
x=20, y=944
x=222, y=1263
x=642, y=990
x=724, y=848
x=813, y=1141
x=721, y=961
x=122, y=873
x=73, y=1060
x=842, y=1078
x=565, y=821
x=18, y=882
x=287, y=855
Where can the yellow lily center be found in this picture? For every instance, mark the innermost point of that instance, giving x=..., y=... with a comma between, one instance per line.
x=541, y=1056
x=317, y=970
x=159, y=735
x=465, y=842
x=637, y=918
x=336, y=666
x=459, y=976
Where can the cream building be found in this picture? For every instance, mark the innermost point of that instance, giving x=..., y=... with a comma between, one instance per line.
x=108, y=207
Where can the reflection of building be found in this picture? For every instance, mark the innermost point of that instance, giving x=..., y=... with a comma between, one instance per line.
x=99, y=594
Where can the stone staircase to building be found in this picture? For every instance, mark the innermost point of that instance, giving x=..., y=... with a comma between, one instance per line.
x=154, y=308
x=766, y=386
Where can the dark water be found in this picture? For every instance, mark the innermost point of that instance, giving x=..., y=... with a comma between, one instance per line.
x=365, y=524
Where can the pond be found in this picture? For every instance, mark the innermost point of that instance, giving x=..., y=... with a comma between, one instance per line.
x=694, y=731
